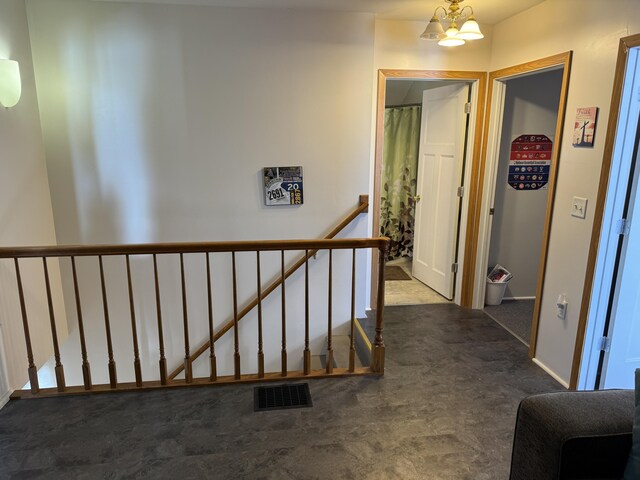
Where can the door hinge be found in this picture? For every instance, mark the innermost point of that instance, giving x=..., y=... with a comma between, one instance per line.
x=605, y=344
x=467, y=107
x=461, y=192
x=454, y=267
x=623, y=227
x=492, y=211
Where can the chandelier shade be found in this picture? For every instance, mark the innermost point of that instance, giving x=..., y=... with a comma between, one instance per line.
x=470, y=30
x=434, y=30
x=452, y=38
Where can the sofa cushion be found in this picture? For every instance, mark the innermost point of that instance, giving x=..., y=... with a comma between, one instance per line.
x=633, y=466
x=554, y=430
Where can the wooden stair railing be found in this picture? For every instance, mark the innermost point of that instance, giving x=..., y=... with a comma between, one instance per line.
x=363, y=206
x=310, y=247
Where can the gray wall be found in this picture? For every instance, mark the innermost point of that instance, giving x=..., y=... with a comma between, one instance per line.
x=531, y=107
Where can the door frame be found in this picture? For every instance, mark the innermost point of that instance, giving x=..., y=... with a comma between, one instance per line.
x=488, y=172
x=478, y=83
x=626, y=43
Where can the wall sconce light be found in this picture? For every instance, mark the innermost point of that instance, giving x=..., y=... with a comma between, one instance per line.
x=10, y=84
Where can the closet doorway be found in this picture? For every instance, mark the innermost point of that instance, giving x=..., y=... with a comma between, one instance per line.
x=525, y=120
x=423, y=156
x=521, y=194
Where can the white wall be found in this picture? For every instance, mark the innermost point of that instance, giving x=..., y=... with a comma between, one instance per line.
x=25, y=207
x=142, y=103
x=592, y=29
x=531, y=107
x=157, y=120
x=398, y=46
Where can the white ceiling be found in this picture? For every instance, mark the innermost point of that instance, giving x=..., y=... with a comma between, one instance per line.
x=486, y=11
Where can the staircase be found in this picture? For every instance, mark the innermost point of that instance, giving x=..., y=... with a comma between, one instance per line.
x=159, y=316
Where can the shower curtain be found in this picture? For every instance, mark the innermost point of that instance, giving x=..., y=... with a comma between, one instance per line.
x=399, y=172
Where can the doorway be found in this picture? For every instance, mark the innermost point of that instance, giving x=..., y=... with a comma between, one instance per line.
x=425, y=132
x=609, y=328
x=428, y=225
x=482, y=225
x=520, y=195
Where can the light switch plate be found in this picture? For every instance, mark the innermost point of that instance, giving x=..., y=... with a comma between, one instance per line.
x=579, y=207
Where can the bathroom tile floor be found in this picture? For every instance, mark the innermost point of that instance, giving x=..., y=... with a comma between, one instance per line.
x=409, y=292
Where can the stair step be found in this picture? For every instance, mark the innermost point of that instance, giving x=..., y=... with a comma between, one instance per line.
x=341, y=345
x=318, y=362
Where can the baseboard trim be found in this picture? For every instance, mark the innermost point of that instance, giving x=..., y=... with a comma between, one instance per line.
x=520, y=298
x=362, y=344
x=4, y=399
x=553, y=374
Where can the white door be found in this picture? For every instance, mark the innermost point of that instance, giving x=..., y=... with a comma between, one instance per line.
x=442, y=142
x=624, y=354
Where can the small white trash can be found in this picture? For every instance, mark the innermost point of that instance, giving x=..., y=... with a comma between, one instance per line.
x=494, y=292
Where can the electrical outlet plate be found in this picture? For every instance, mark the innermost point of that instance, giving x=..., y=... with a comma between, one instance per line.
x=579, y=207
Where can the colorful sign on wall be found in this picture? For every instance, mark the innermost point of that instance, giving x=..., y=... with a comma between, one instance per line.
x=530, y=162
x=282, y=185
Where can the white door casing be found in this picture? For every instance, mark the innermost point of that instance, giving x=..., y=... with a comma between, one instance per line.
x=621, y=361
x=619, y=180
x=440, y=155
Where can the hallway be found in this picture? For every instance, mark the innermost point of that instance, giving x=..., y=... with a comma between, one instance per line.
x=445, y=409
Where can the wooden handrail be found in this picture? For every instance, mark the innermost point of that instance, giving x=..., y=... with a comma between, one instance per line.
x=311, y=247
x=185, y=247
x=308, y=247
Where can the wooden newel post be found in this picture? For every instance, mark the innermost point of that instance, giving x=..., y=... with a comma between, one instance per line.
x=377, y=355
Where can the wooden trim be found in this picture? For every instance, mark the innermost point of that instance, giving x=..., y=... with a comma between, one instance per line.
x=560, y=60
x=383, y=74
x=473, y=214
x=533, y=66
x=623, y=50
x=175, y=248
x=197, y=382
x=430, y=75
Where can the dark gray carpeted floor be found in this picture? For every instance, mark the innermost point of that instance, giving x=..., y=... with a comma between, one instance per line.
x=445, y=409
x=514, y=315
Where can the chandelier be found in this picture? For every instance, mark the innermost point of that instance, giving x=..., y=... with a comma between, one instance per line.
x=453, y=37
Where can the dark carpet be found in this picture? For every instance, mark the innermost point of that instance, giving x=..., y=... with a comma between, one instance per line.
x=445, y=409
x=395, y=273
x=515, y=315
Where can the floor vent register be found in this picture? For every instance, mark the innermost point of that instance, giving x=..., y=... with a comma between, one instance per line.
x=279, y=397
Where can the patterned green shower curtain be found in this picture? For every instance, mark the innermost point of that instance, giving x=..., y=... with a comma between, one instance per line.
x=399, y=172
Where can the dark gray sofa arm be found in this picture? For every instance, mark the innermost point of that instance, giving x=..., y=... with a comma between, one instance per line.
x=573, y=435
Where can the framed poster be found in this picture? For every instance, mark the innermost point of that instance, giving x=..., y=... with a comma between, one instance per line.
x=584, y=130
x=530, y=162
x=282, y=186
